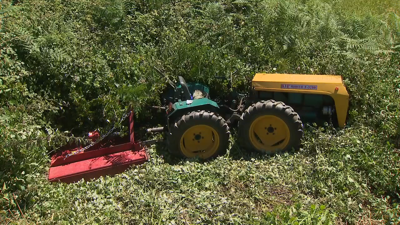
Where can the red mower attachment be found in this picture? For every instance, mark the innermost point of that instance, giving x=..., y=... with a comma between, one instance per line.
x=103, y=158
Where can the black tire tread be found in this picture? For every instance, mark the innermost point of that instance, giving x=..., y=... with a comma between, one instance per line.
x=199, y=116
x=280, y=109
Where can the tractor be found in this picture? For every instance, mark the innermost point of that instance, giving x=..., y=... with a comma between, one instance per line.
x=268, y=118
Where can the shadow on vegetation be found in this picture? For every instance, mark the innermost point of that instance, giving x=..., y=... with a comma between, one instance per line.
x=236, y=152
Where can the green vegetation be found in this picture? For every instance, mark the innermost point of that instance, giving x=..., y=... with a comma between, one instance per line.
x=72, y=66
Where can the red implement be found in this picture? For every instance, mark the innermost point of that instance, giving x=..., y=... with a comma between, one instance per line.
x=99, y=160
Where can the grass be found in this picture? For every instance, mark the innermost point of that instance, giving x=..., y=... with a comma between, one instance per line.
x=318, y=184
x=367, y=7
x=224, y=190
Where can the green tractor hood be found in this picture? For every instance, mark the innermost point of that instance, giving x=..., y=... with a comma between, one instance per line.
x=182, y=107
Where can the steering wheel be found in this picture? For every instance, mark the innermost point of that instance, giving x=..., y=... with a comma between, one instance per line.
x=185, y=89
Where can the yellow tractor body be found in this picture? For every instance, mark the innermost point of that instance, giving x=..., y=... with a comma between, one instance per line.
x=317, y=91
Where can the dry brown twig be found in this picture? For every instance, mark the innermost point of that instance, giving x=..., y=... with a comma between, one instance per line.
x=15, y=199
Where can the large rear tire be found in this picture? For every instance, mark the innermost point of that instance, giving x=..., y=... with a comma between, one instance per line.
x=200, y=134
x=270, y=127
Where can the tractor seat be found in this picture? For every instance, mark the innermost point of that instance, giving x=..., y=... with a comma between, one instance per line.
x=192, y=90
x=198, y=94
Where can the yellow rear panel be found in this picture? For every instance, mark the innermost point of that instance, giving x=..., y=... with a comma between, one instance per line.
x=331, y=85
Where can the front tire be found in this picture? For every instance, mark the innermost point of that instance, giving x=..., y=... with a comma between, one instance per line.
x=270, y=127
x=200, y=134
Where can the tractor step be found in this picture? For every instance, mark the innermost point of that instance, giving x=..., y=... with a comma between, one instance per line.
x=156, y=129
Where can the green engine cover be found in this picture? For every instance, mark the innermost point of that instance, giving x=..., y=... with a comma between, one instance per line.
x=299, y=99
x=308, y=106
x=194, y=103
x=182, y=107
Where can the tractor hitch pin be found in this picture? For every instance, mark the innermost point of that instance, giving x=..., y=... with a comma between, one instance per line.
x=155, y=129
x=159, y=107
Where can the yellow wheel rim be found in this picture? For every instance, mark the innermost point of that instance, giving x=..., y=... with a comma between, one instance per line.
x=199, y=140
x=269, y=133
